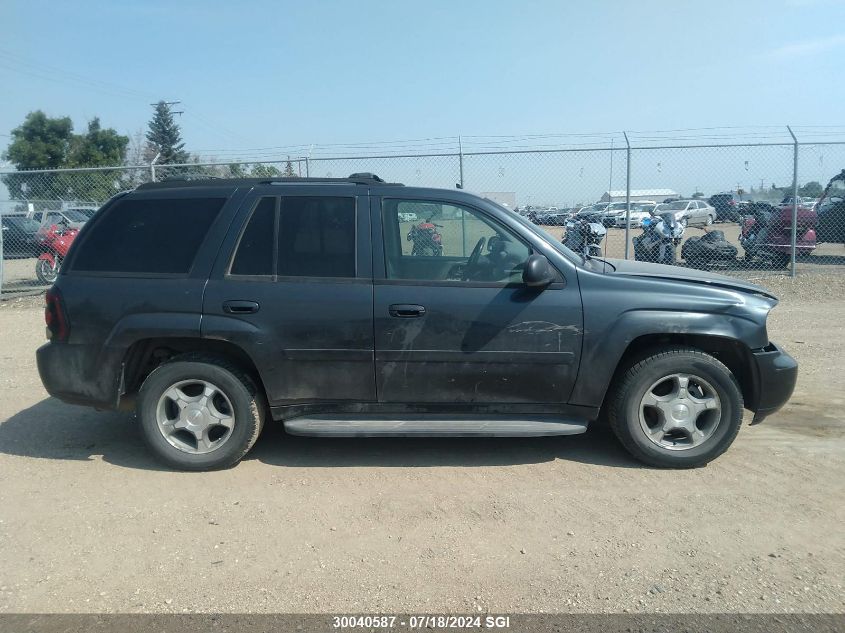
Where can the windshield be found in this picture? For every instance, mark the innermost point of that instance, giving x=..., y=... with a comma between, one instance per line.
x=74, y=215
x=680, y=205
x=27, y=224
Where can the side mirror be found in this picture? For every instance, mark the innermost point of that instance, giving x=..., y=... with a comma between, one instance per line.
x=538, y=272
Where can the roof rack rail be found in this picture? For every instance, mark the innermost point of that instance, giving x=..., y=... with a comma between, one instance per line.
x=187, y=180
x=189, y=177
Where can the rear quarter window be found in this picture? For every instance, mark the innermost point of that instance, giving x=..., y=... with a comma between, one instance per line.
x=157, y=236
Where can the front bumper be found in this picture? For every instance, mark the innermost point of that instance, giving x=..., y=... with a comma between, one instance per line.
x=776, y=372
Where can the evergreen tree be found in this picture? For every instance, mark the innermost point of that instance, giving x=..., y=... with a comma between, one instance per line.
x=165, y=137
x=289, y=172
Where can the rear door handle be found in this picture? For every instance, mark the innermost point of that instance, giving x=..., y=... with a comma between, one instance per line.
x=406, y=310
x=240, y=307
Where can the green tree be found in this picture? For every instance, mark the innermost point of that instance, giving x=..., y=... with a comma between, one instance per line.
x=261, y=170
x=812, y=189
x=165, y=137
x=40, y=142
x=98, y=147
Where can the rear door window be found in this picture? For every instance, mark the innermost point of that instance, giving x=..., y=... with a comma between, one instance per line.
x=316, y=237
x=254, y=255
x=154, y=236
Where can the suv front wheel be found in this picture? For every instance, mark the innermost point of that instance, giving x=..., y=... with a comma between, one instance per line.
x=200, y=413
x=676, y=408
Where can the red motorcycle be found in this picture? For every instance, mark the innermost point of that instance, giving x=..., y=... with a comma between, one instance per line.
x=426, y=239
x=767, y=233
x=54, y=244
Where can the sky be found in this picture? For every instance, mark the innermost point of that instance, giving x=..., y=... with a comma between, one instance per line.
x=253, y=75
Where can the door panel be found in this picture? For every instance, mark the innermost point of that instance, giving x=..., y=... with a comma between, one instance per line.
x=311, y=340
x=311, y=335
x=478, y=345
x=469, y=331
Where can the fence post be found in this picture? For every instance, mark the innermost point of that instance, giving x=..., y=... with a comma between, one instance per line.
x=153, y=167
x=794, y=236
x=627, y=196
x=307, y=168
x=461, y=161
x=1, y=257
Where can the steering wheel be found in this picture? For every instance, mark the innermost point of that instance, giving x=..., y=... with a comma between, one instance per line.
x=474, y=256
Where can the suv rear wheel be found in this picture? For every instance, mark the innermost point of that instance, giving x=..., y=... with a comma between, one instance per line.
x=200, y=413
x=676, y=408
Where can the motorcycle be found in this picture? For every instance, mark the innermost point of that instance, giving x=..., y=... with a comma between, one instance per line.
x=711, y=249
x=427, y=241
x=584, y=235
x=54, y=244
x=659, y=240
x=767, y=233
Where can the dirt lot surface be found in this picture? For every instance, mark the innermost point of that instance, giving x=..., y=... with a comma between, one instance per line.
x=89, y=522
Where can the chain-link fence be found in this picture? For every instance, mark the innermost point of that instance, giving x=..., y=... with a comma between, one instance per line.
x=743, y=208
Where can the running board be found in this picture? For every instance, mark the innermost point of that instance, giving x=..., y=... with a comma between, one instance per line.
x=434, y=425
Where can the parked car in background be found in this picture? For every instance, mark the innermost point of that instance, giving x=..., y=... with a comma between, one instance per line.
x=617, y=211
x=551, y=216
x=19, y=237
x=804, y=202
x=639, y=212
x=408, y=217
x=727, y=206
x=67, y=218
x=87, y=211
x=693, y=212
x=830, y=210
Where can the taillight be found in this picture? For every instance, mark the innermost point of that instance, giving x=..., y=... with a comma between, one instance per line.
x=58, y=328
x=732, y=203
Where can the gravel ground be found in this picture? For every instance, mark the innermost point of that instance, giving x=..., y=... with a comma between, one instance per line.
x=90, y=523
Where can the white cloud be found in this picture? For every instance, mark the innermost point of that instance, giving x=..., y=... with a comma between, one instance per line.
x=806, y=48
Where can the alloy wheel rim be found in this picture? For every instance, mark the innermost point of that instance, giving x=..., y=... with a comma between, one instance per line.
x=195, y=416
x=680, y=411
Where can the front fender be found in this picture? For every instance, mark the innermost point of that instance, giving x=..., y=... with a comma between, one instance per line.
x=605, y=346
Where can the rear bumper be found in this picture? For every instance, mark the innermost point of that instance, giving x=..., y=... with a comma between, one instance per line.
x=77, y=374
x=777, y=372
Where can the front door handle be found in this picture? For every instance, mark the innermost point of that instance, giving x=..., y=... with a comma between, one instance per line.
x=240, y=307
x=406, y=310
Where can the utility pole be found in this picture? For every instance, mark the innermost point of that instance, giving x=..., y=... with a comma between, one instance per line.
x=169, y=105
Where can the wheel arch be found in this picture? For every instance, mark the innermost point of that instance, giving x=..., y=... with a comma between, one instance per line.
x=731, y=352
x=145, y=354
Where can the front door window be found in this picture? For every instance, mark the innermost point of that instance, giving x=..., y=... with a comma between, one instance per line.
x=437, y=241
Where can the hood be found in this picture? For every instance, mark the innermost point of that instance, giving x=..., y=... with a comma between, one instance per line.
x=688, y=275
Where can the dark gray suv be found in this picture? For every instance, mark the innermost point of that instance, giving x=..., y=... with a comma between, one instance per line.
x=211, y=306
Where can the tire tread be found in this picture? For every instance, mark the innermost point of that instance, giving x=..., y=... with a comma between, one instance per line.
x=616, y=401
x=257, y=403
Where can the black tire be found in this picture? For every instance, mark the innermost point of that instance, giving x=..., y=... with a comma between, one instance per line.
x=45, y=272
x=623, y=406
x=709, y=220
x=247, y=401
x=781, y=260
